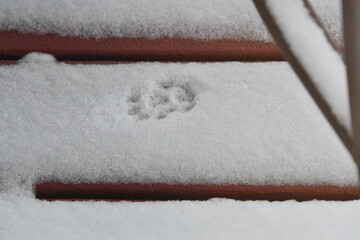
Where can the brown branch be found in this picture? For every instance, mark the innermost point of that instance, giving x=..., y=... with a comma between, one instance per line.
x=352, y=55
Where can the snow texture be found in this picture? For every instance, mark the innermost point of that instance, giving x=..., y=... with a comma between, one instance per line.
x=188, y=123
x=160, y=99
x=321, y=61
x=330, y=16
x=199, y=19
x=26, y=218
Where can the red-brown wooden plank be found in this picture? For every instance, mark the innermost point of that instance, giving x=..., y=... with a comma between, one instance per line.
x=14, y=45
x=135, y=191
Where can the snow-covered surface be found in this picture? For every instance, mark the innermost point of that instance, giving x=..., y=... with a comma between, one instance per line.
x=330, y=15
x=199, y=19
x=26, y=218
x=199, y=123
x=321, y=61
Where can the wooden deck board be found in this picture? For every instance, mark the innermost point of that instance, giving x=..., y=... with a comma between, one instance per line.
x=136, y=191
x=14, y=45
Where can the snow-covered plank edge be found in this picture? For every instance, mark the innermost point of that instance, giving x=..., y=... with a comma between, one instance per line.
x=212, y=220
x=340, y=174
x=15, y=44
x=139, y=192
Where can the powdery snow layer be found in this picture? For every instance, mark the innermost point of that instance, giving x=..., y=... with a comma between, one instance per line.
x=199, y=19
x=198, y=123
x=23, y=218
x=321, y=61
x=330, y=15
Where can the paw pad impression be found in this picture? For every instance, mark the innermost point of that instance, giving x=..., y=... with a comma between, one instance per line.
x=158, y=100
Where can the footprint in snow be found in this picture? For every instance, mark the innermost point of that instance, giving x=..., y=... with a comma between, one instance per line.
x=158, y=100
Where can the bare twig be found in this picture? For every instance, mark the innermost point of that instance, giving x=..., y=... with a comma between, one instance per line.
x=351, y=13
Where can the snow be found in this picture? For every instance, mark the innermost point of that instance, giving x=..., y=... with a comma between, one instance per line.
x=36, y=57
x=176, y=123
x=199, y=19
x=199, y=123
x=330, y=15
x=321, y=61
x=26, y=218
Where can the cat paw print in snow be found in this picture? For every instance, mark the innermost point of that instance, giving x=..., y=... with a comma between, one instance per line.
x=160, y=99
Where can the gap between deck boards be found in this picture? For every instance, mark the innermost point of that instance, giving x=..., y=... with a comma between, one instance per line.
x=15, y=45
x=154, y=192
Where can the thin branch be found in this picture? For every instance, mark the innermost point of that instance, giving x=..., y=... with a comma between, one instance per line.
x=351, y=13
